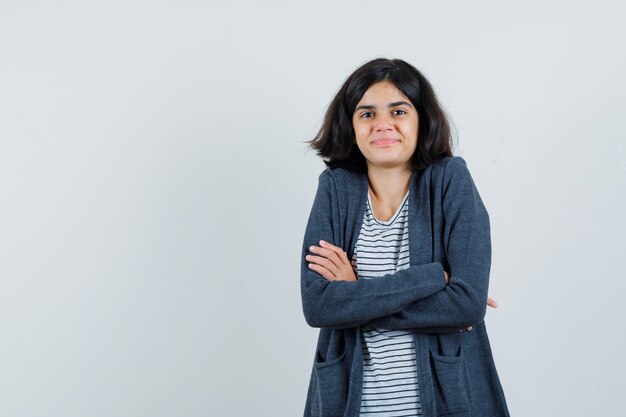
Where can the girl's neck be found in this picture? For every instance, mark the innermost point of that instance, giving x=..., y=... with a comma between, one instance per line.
x=388, y=185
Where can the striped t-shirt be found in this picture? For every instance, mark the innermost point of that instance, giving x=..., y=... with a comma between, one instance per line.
x=390, y=386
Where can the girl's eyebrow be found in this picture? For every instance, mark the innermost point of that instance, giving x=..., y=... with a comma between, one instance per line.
x=371, y=107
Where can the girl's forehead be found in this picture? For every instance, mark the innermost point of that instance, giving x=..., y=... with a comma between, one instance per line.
x=382, y=90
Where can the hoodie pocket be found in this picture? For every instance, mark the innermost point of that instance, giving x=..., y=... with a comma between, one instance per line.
x=332, y=386
x=449, y=383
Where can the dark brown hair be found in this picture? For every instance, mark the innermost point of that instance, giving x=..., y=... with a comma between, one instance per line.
x=335, y=141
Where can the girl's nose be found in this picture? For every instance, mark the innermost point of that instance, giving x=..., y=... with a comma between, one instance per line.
x=384, y=123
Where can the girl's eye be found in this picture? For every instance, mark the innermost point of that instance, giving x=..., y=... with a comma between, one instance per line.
x=403, y=112
x=366, y=113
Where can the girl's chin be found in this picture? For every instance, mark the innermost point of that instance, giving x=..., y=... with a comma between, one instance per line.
x=385, y=163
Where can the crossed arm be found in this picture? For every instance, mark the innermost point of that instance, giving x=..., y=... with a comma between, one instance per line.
x=333, y=264
x=417, y=298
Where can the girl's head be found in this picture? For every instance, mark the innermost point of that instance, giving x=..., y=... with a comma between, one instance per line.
x=384, y=99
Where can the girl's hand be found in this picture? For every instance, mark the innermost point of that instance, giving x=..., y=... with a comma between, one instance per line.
x=332, y=262
x=490, y=302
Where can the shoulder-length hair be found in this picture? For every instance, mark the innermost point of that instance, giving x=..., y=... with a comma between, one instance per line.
x=335, y=141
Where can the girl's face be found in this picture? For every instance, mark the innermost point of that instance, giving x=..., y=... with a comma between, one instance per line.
x=385, y=126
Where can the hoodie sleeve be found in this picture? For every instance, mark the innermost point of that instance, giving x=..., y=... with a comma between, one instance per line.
x=467, y=243
x=343, y=304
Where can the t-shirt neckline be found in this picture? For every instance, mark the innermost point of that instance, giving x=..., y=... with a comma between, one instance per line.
x=395, y=215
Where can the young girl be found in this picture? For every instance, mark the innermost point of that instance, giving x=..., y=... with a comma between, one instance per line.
x=396, y=259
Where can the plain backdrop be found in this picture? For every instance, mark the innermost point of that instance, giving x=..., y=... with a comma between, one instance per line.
x=155, y=188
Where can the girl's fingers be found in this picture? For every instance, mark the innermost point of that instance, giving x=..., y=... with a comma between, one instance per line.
x=332, y=252
x=334, y=259
x=322, y=271
x=491, y=302
x=323, y=262
x=328, y=259
x=341, y=254
x=335, y=249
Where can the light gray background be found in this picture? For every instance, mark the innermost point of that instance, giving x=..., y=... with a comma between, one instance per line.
x=155, y=189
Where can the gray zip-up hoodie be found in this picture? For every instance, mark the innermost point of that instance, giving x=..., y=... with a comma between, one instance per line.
x=448, y=229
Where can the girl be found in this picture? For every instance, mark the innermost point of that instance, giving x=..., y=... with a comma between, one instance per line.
x=396, y=259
